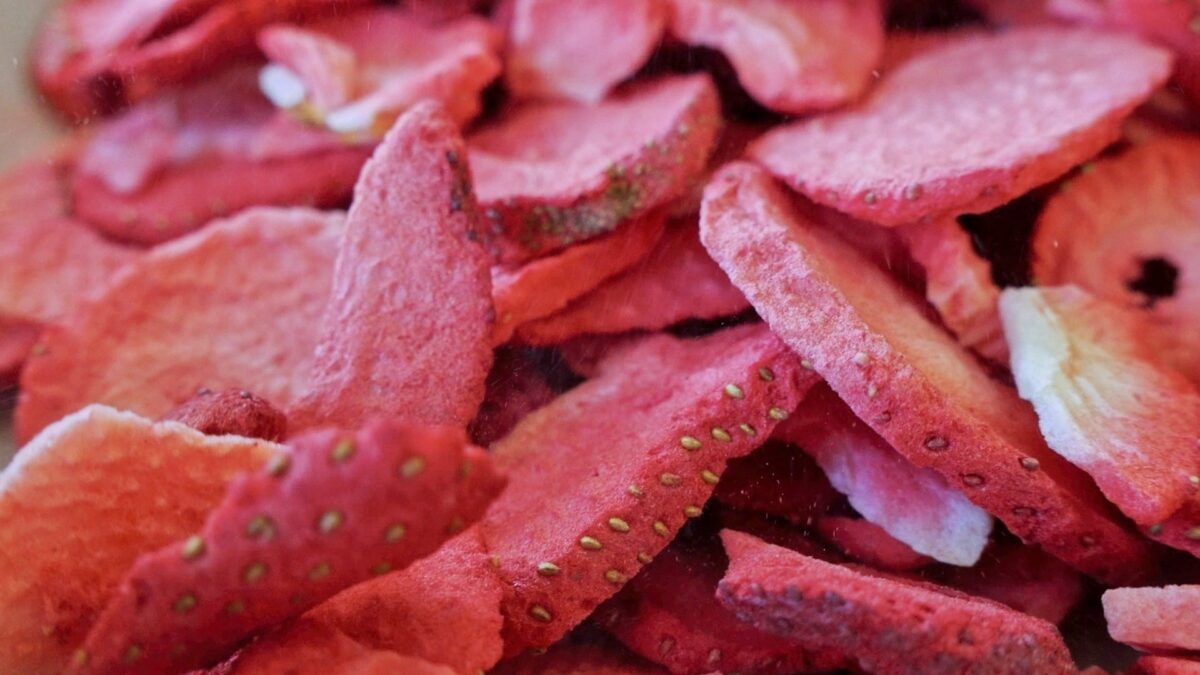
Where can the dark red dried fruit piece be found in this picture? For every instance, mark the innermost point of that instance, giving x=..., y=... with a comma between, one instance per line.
x=551, y=174
x=603, y=476
x=409, y=339
x=583, y=354
x=232, y=411
x=16, y=341
x=793, y=56
x=1154, y=619
x=237, y=305
x=905, y=377
x=1022, y=577
x=870, y=544
x=677, y=280
x=1165, y=665
x=335, y=510
x=80, y=503
x=778, y=479
x=928, y=142
x=885, y=624
x=515, y=388
x=583, y=656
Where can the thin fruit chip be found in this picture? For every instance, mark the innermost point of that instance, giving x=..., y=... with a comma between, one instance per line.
x=538, y=288
x=886, y=624
x=355, y=73
x=668, y=413
x=1125, y=230
x=551, y=174
x=669, y=614
x=409, y=339
x=792, y=56
x=586, y=656
x=1022, y=577
x=1165, y=665
x=914, y=504
x=236, y=305
x=80, y=503
x=337, y=509
x=676, y=281
x=780, y=480
x=444, y=608
x=577, y=49
x=870, y=544
x=1102, y=402
x=234, y=412
x=968, y=126
x=516, y=386
x=905, y=377
x=1154, y=618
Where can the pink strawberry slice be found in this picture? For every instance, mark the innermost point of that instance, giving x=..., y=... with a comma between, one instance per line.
x=337, y=509
x=1154, y=618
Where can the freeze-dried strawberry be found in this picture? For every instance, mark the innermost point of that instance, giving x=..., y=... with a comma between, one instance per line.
x=16, y=340
x=905, y=377
x=869, y=543
x=583, y=354
x=356, y=73
x=1022, y=577
x=336, y=509
x=884, y=623
x=515, y=388
x=1013, y=12
x=1154, y=618
x=968, y=126
x=80, y=503
x=793, y=56
x=668, y=413
x=577, y=49
x=232, y=411
x=408, y=338
x=539, y=288
x=677, y=280
x=1102, y=402
x=578, y=657
x=237, y=305
x=778, y=479
x=551, y=174
x=1125, y=230
x=1165, y=665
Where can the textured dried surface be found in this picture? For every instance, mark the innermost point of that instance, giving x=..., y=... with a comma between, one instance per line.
x=905, y=377
x=237, y=305
x=793, y=56
x=626, y=459
x=232, y=411
x=1154, y=618
x=968, y=126
x=869, y=544
x=886, y=625
x=80, y=503
x=408, y=324
x=551, y=174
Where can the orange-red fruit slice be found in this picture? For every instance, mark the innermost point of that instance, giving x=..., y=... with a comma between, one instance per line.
x=407, y=328
x=793, y=56
x=886, y=624
x=237, y=305
x=905, y=377
x=577, y=49
x=968, y=126
x=80, y=503
x=626, y=459
x=1154, y=618
x=551, y=174
x=1125, y=230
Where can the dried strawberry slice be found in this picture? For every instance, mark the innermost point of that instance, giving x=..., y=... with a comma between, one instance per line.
x=516, y=386
x=884, y=623
x=579, y=656
x=232, y=411
x=778, y=479
x=791, y=56
x=16, y=341
x=686, y=407
x=551, y=174
x=905, y=377
x=968, y=126
x=1165, y=665
x=1154, y=618
x=869, y=544
x=74, y=508
x=1022, y=577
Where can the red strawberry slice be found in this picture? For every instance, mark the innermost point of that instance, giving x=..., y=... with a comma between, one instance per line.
x=585, y=656
x=1165, y=665
x=357, y=72
x=1012, y=12
x=583, y=354
x=778, y=479
x=551, y=174
x=668, y=413
x=914, y=504
x=1154, y=618
x=886, y=624
x=677, y=280
x=968, y=126
x=958, y=282
x=870, y=544
x=1022, y=577
x=669, y=614
x=791, y=56
x=234, y=412
x=336, y=510
x=515, y=388
x=444, y=608
x=80, y=503
x=408, y=339
x=577, y=49
x=1125, y=230
x=905, y=377
x=16, y=341
x=1102, y=402
x=526, y=293
x=237, y=305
